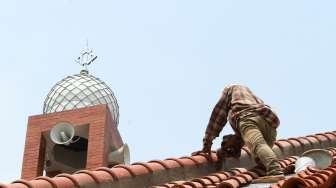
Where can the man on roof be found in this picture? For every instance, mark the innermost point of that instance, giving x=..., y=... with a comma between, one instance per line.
x=252, y=120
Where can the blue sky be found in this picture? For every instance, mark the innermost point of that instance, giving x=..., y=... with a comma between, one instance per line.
x=167, y=62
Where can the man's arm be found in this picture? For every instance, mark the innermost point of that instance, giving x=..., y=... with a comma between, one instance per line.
x=219, y=115
x=217, y=120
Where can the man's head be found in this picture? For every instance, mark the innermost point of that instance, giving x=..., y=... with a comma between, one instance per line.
x=230, y=147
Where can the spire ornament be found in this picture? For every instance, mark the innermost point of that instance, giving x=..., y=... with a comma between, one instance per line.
x=86, y=57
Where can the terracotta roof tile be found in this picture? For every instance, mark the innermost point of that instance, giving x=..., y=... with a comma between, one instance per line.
x=212, y=178
x=308, y=144
x=69, y=179
x=51, y=181
x=230, y=183
x=314, y=141
x=285, y=146
x=203, y=181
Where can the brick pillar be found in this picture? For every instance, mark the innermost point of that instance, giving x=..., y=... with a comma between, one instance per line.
x=99, y=121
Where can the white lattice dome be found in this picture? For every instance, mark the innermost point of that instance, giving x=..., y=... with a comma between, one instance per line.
x=80, y=90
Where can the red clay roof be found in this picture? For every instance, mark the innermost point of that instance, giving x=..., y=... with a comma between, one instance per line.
x=198, y=170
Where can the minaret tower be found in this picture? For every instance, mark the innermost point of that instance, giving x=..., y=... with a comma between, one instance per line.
x=78, y=128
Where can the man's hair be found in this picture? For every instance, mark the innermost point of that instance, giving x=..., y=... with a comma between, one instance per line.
x=230, y=147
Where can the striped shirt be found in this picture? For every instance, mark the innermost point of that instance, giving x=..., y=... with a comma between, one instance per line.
x=237, y=101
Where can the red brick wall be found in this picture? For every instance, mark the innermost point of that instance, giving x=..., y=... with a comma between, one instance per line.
x=101, y=128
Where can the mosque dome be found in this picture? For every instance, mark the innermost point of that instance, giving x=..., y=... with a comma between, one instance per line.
x=80, y=90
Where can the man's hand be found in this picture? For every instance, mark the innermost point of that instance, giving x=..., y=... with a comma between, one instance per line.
x=207, y=143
